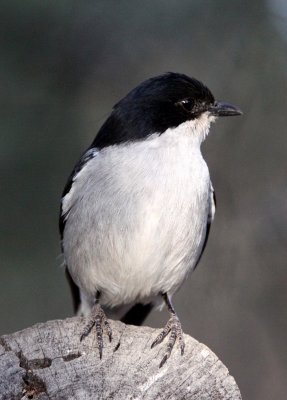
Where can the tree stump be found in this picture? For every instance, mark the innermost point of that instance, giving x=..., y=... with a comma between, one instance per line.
x=47, y=361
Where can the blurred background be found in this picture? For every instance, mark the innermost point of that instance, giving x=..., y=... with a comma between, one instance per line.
x=63, y=66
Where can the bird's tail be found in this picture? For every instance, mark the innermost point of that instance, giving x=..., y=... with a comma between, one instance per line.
x=75, y=291
x=137, y=314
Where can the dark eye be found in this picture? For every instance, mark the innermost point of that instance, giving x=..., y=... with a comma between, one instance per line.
x=187, y=104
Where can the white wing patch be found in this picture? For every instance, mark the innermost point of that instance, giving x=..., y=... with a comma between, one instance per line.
x=213, y=204
x=67, y=200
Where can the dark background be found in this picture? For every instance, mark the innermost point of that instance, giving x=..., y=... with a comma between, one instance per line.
x=63, y=66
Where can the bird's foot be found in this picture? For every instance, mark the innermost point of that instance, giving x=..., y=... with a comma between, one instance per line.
x=99, y=320
x=173, y=327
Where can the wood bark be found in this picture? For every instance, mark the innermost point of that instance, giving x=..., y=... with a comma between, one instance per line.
x=47, y=361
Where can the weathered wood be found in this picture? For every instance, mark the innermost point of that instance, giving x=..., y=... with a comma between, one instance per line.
x=47, y=361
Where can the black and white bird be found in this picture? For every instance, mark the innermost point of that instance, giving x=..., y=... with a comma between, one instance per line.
x=137, y=208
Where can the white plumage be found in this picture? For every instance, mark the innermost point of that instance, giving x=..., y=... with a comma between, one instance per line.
x=136, y=216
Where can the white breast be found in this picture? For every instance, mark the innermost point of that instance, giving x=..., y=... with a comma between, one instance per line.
x=137, y=218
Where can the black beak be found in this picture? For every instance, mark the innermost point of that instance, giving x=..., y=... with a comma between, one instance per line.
x=220, y=109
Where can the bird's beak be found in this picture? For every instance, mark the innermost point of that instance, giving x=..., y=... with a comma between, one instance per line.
x=221, y=109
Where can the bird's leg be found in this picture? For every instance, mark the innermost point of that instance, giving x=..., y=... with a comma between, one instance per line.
x=99, y=320
x=173, y=327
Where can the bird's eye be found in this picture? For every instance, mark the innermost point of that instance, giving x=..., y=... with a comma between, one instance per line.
x=187, y=104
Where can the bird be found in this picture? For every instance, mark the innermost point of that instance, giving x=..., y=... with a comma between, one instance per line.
x=137, y=208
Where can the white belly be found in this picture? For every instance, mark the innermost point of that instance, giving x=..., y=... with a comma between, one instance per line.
x=138, y=220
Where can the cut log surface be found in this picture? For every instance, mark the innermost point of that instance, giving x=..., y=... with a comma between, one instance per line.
x=47, y=361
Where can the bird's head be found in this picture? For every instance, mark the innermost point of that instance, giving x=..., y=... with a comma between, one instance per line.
x=167, y=101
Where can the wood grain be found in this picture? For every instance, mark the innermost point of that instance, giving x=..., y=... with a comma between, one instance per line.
x=47, y=361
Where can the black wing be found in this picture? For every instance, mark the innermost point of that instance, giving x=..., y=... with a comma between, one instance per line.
x=137, y=314
x=209, y=221
x=111, y=133
x=87, y=156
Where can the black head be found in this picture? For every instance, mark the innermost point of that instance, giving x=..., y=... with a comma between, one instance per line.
x=157, y=104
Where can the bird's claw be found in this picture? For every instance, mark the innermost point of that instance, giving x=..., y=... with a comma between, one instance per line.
x=173, y=327
x=99, y=320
